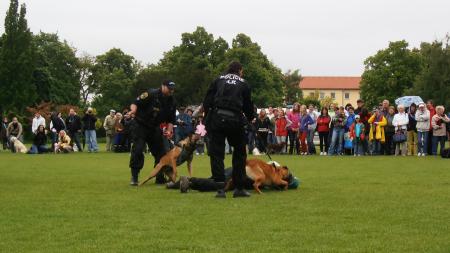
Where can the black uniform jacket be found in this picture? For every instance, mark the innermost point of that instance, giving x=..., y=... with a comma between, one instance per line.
x=229, y=92
x=153, y=108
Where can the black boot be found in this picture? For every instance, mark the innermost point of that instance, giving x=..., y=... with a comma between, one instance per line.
x=134, y=181
x=238, y=193
x=134, y=177
x=220, y=186
x=160, y=179
x=172, y=185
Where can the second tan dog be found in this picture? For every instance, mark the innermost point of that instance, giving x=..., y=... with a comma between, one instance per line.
x=18, y=146
x=175, y=157
x=263, y=173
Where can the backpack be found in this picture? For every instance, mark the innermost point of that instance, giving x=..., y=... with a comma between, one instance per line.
x=445, y=153
x=348, y=143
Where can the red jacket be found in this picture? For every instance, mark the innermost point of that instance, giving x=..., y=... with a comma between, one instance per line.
x=432, y=113
x=323, y=124
x=281, y=127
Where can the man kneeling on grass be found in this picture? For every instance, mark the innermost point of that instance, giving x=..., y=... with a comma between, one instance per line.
x=208, y=185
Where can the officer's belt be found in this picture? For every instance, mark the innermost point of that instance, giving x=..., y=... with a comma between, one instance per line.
x=146, y=123
x=226, y=112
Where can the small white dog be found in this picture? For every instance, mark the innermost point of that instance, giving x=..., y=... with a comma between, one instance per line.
x=256, y=152
x=18, y=145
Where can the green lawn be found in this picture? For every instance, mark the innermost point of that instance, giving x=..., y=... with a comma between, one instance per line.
x=82, y=203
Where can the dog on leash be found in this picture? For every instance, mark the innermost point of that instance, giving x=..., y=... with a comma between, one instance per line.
x=18, y=145
x=265, y=174
x=256, y=152
x=182, y=152
x=276, y=148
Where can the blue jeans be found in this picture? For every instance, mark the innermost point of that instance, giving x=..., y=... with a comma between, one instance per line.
x=337, y=141
x=76, y=139
x=271, y=138
x=310, y=140
x=358, y=147
x=435, y=141
x=38, y=149
x=422, y=138
x=376, y=147
x=91, y=140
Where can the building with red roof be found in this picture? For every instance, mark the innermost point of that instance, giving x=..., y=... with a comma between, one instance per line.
x=342, y=89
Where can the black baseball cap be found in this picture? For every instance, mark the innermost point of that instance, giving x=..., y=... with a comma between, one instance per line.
x=170, y=84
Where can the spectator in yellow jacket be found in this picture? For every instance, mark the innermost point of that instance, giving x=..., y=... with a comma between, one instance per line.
x=63, y=144
x=376, y=135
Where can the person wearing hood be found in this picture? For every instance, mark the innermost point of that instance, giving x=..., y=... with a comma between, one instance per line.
x=412, y=130
x=377, y=135
x=423, y=127
x=400, y=123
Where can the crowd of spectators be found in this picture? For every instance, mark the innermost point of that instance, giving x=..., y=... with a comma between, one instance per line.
x=385, y=130
x=74, y=133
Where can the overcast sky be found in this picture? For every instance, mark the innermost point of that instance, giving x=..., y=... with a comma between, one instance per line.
x=319, y=37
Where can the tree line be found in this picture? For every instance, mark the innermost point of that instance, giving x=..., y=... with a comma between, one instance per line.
x=399, y=71
x=42, y=68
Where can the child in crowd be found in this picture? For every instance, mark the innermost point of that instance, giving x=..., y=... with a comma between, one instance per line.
x=200, y=130
x=282, y=123
x=357, y=134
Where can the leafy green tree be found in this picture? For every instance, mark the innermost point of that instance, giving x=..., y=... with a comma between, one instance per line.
x=86, y=82
x=292, y=91
x=265, y=79
x=433, y=82
x=389, y=73
x=150, y=77
x=17, y=90
x=192, y=65
x=114, y=75
x=55, y=76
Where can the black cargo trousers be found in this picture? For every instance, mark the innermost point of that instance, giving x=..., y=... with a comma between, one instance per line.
x=151, y=136
x=223, y=124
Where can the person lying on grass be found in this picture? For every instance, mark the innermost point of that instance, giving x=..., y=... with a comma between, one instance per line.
x=208, y=185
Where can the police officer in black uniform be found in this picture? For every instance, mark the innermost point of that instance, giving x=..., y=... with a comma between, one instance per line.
x=151, y=108
x=227, y=100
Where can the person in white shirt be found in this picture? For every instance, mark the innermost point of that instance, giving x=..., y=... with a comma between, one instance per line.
x=37, y=121
x=400, y=122
x=423, y=126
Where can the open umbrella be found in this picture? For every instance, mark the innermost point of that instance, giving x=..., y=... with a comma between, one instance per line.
x=408, y=100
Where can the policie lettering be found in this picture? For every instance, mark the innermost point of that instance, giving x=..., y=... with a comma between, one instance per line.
x=232, y=77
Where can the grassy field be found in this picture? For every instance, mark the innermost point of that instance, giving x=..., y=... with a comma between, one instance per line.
x=82, y=203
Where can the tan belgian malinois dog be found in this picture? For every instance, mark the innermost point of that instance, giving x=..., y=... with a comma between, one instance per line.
x=182, y=152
